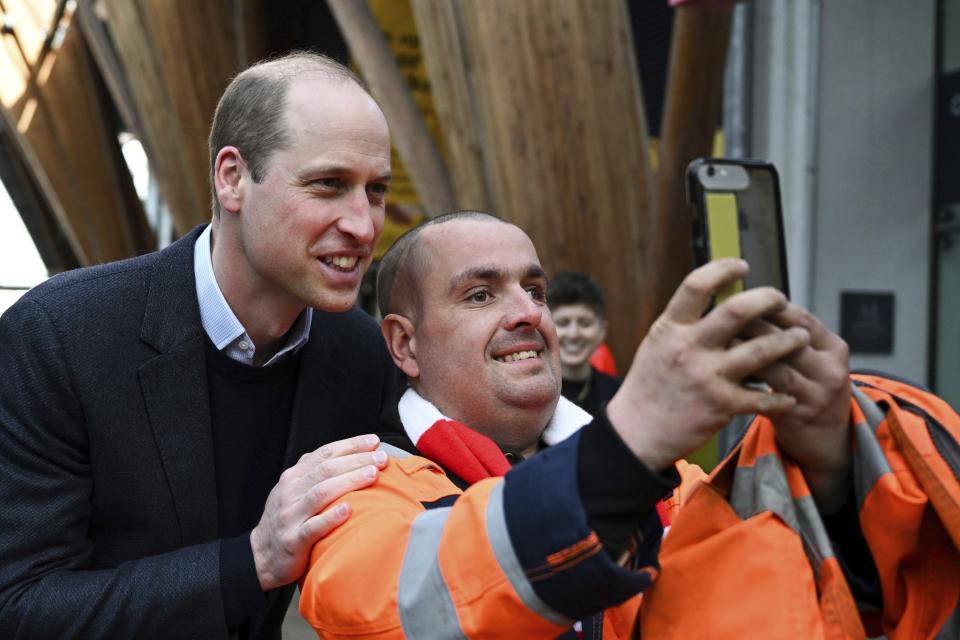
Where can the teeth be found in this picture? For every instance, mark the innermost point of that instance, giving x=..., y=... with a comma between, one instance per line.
x=342, y=262
x=520, y=355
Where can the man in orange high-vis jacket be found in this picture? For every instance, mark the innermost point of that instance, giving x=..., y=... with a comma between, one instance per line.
x=442, y=546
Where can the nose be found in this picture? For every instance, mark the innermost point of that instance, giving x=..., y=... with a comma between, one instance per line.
x=524, y=311
x=359, y=218
x=567, y=330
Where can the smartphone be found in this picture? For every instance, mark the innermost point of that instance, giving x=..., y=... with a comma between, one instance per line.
x=737, y=213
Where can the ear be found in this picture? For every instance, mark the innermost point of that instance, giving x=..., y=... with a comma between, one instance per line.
x=603, y=330
x=228, y=172
x=398, y=332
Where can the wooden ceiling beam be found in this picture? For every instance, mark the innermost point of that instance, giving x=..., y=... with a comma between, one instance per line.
x=439, y=25
x=691, y=115
x=407, y=127
x=35, y=211
x=101, y=47
x=178, y=59
x=24, y=151
x=64, y=124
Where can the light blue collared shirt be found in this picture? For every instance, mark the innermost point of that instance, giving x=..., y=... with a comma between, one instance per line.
x=219, y=321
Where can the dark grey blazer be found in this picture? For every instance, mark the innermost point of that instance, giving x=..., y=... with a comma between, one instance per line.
x=108, y=513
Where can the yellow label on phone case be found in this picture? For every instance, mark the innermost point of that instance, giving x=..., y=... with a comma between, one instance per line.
x=724, y=233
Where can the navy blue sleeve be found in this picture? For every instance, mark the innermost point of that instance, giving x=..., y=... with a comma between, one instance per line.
x=617, y=490
x=561, y=555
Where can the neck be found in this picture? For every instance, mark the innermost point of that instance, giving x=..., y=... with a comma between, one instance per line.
x=265, y=314
x=514, y=428
x=529, y=451
x=516, y=432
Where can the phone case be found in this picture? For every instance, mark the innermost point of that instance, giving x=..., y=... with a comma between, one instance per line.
x=740, y=221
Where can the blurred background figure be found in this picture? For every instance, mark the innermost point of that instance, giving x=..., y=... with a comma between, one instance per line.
x=579, y=312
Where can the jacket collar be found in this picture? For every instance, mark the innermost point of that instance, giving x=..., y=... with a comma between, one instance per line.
x=418, y=414
x=172, y=315
x=465, y=453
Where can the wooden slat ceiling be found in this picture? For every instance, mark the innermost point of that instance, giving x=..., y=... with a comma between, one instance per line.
x=539, y=103
x=177, y=59
x=61, y=128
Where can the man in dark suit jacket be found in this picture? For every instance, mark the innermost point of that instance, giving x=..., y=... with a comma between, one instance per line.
x=142, y=438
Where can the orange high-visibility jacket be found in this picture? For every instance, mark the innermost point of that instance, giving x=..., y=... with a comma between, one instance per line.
x=509, y=557
x=748, y=555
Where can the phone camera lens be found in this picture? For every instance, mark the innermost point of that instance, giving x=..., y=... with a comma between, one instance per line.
x=710, y=170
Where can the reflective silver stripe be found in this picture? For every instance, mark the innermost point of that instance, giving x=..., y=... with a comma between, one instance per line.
x=426, y=609
x=503, y=549
x=869, y=463
x=395, y=452
x=871, y=411
x=812, y=531
x=763, y=487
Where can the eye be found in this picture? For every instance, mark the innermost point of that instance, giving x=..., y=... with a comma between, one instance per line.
x=379, y=189
x=479, y=297
x=377, y=193
x=328, y=184
x=537, y=292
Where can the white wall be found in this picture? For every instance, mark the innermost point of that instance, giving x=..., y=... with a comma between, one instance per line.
x=859, y=207
x=784, y=122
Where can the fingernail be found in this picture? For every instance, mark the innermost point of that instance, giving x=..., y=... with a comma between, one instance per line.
x=379, y=457
x=372, y=440
x=342, y=509
x=370, y=472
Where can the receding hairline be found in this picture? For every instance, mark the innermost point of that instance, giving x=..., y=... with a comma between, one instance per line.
x=287, y=67
x=286, y=70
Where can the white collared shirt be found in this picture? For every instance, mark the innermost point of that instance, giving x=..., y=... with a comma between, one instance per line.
x=219, y=321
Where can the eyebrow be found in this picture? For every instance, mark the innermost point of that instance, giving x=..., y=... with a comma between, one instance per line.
x=492, y=274
x=310, y=173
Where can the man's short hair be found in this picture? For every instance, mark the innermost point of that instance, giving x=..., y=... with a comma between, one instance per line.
x=250, y=114
x=572, y=287
x=404, y=262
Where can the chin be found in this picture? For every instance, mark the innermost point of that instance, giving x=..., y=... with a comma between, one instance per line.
x=544, y=399
x=334, y=303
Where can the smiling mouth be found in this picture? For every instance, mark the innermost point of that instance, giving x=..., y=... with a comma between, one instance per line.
x=341, y=263
x=520, y=355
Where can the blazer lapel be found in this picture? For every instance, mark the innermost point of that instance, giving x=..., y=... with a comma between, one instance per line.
x=174, y=387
